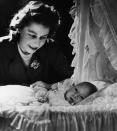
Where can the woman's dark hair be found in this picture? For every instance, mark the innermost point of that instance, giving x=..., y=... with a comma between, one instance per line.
x=35, y=11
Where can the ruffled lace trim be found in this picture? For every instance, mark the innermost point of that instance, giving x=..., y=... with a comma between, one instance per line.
x=27, y=117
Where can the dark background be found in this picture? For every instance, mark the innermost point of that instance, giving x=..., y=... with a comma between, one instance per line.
x=9, y=7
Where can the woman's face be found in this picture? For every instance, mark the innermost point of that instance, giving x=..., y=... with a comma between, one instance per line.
x=77, y=94
x=33, y=37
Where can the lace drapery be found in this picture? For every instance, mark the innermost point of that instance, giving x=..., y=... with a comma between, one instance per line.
x=93, y=36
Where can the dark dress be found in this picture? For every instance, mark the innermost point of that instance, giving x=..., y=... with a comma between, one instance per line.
x=48, y=64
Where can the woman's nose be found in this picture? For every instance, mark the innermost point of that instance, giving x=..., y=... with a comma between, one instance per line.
x=37, y=43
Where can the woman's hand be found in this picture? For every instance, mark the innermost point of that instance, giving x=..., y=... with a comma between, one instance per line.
x=67, y=83
x=38, y=85
x=42, y=95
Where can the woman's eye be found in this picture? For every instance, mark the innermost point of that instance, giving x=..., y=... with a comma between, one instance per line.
x=32, y=36
x=43, y=38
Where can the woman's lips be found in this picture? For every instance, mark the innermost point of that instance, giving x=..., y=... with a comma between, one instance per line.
x=25, y=53
x=33, y=48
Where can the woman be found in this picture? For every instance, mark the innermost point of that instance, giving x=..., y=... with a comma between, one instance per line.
x=29, y=54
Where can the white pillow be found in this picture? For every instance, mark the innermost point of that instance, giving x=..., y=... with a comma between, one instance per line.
x=111, y=90
x=100, y=84
x=16, y=94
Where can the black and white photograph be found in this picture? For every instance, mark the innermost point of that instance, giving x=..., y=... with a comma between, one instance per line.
x=58, y=65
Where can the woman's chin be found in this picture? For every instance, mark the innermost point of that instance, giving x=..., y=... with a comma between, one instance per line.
x=29, y=52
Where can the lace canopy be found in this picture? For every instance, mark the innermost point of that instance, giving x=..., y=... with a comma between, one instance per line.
x=94, y=40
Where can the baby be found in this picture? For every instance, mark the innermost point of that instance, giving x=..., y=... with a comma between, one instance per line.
x=73, y=95
x=79, y=92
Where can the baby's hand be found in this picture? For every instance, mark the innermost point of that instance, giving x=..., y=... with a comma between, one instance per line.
x=66, y=84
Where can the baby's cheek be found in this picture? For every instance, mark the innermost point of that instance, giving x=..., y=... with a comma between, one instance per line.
x=77, y=100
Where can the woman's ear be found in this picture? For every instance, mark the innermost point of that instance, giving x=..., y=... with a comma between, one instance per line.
x=47, y=40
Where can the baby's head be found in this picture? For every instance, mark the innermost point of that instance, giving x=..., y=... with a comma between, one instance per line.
x=79, y=92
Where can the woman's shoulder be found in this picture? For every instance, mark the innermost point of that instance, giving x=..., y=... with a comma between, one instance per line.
x=53, y=47
x=49, y=51
x=49, y=48
x=6, y=47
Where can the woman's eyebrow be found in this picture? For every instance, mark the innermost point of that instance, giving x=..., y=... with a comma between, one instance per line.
x=31, y=31
x=44, y=35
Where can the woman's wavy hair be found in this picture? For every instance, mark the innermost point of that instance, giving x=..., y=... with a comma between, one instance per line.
x=35, y=11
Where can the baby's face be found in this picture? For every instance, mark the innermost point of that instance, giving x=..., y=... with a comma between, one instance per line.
x=77, y=94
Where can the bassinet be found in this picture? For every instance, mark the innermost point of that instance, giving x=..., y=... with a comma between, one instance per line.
x=96, y=113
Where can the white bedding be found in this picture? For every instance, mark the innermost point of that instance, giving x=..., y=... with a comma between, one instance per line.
x=26, y=107
x=16, y=94
x=23, y=95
